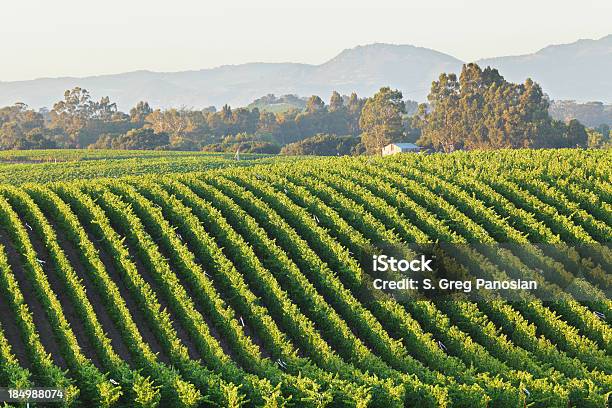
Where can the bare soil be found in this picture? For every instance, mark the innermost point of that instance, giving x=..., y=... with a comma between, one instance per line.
x=182, y=333
x=248, y=330
x=199, y=307
x=61, y=291
x=9, y=325
x=93, y=295
x=43, y=326
x=135, y=311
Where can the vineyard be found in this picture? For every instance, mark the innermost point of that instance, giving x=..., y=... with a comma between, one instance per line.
x=41, y=166
x=243, y=285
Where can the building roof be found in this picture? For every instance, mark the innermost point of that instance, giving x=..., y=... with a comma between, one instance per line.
x=406, y=145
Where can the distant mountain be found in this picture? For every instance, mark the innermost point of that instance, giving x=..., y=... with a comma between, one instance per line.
x=363, y=69
x=574, y=71
x=579, y=71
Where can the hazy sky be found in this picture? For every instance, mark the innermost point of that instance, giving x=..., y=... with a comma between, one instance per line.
x=77, y=38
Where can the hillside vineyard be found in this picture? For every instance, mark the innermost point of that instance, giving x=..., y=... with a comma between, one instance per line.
x=245, y=286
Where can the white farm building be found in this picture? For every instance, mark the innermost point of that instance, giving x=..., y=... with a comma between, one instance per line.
x=395, y=148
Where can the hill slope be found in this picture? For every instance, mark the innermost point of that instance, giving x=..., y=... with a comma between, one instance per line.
x=576, y=71
x=361, y=69
x=255, y=284
x=573, y=71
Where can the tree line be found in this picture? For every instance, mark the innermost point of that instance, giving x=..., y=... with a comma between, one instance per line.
x=591, y=114
x=78, y=121
x=478, y=109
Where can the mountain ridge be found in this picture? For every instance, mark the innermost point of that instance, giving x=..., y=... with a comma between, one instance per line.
x=574, y=71
x=566, y=71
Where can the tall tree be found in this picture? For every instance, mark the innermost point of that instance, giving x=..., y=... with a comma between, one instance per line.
x=71, y=114
x=439, y=121
x=176, y=123
x=576, y=134
x=81, y=120
x=381, y=120
x=139, y=112
x=22, y=128
x=481, y=110
x=354, y=107
x=314, y=104
x=336, y=102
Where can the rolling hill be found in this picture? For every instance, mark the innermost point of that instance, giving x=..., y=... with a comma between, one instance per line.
x=253, y=286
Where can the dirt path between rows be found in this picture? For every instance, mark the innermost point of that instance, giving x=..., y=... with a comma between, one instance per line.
x=137, y=315
x=43, y=326
x=199, y=307
x=96, y=301
x=182, y=333
x=61, y=292
x=10, y=328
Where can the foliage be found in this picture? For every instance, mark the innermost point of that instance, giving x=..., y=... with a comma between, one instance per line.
x=272, y=103
x=78, y=121
x=135, y=139
x=322, y=145
x=247, y=286
x=477, y=110
x=54, y=165
x=591, y=114
x=381, y=120
x=244, y=143
x=23, y=128
x=481, y=110
x=599, y=138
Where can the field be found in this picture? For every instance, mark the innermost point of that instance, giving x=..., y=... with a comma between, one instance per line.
x=41, y=166
x=230, y=285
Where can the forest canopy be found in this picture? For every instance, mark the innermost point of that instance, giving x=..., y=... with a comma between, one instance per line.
x=480, y=110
